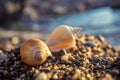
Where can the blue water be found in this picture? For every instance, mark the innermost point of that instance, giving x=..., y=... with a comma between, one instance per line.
x=102, y=21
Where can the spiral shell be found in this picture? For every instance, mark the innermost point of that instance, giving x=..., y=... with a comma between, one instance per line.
x=63, y=37
x=34, y=52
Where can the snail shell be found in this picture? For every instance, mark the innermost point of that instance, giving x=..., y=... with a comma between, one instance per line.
x=63, y=37
x=34, y=52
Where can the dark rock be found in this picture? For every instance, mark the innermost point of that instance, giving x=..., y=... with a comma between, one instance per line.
x=89, y=44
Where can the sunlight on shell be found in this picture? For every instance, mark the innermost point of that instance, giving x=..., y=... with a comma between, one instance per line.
x=63, y=37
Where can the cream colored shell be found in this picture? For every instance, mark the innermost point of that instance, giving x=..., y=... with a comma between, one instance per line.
x=34, y=52
x=62, y=37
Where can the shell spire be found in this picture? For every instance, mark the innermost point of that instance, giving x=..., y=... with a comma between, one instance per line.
x=76, y=30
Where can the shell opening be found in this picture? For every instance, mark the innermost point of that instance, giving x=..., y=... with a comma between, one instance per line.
x=38, y=55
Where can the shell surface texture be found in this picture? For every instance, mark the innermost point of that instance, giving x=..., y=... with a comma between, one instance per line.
x=63, y=37
x=34, y=52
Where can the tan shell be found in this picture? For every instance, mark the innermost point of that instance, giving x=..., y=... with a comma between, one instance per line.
x=34, y=52
x=62, y=37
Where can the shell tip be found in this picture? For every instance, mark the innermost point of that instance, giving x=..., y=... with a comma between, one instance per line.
x=38, y=56
x=76, y=30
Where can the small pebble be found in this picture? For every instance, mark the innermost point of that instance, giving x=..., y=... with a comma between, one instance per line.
x=55, y=76
x=3, y=57
x=37, y=72
x=65, y=59
x=15, y=40
x=42, y=76
x=22, y=75
x=89, y=44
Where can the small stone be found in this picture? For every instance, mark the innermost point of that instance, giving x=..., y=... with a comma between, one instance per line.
x=83, y=78
x=83, y=50
x=89, y=44
x=108, y=77
x=62, y=66
x=60, y=74
x=49, y=75
x=5, y=72
x=18, y=79
x=15, y=40
x=11, y=68
x=37, y=72
x=8, y=46
x=42, y=76
x=109, y=60
x=103, y=61
x=88, y=76
x=76, y=75
x=56, y=67
x=22, y=75
x=55, y=76
x=3, y=57
x=115, y=72
x=101, y=38
x=95, y=60
x=1, y=52
x=65, y=59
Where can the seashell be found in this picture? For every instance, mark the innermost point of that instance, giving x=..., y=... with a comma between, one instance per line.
x=63, y=37
x=34, y=52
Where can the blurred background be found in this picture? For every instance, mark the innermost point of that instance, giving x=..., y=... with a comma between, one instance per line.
x=24, y=19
